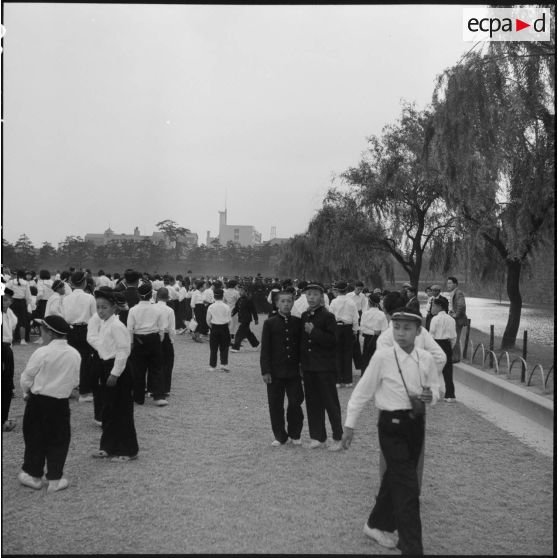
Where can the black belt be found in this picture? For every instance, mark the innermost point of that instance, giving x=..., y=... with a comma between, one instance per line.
x=81, y=324
x=344, y=324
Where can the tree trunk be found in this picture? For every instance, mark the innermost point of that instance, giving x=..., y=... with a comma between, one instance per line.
x=516, y=302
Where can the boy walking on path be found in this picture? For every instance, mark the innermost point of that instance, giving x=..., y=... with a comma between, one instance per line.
x=167, y=345
x=47, y=383
x=245, y=309
x=317, y=348
x=219, y=319
x=401, y=379
x=279, y=362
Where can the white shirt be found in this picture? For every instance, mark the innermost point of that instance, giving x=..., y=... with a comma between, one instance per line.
x=197, y=298
x=442, y=326
x=103, y=281
x=422, y=341
x=208, y=297
x=157, y=284
x=52, y=370
x=54, y=305
x=145, y=318
x=44, y=289
x=78, y=307
x=67, y=289
x=9, y=323
x=300, y=305
x=182, y=293
x=173, y=292
x=218, y=313
x=359, y=300
x=21, y=291
x=110, y=339
x=345, y=311
x=382, y=380
x=168, y=319
x=230, y=296
x=373, y=320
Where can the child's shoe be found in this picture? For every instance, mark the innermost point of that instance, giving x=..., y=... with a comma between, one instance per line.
x=225, y=368
x=211, y=369
x=56, y=485
x=27, y=480
x=315, y=444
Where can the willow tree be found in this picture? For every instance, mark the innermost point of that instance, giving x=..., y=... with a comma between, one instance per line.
x=397, y=186
x=339, y=244
x=493, y=137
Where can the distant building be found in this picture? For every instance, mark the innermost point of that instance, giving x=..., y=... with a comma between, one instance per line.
x=244, y=235
x=190, y=239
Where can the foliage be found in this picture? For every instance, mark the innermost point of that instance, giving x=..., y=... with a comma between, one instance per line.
x=397, y=186
x=174, y=234
x=337, y=245
x=25, y=252
x=493, y=137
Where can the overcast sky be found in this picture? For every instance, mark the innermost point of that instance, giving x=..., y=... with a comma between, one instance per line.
x=131, y=114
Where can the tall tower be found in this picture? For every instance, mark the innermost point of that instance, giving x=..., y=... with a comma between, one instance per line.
x=273, y=233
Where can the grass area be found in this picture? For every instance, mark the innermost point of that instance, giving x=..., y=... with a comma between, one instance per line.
x=207, y=480
x=536, y=354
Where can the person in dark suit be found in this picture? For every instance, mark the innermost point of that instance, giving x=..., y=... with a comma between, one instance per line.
x=129, y=288
x=245, y=309
x=279, y=362
x=413, y=302
x=458, y=311
x=317, y=350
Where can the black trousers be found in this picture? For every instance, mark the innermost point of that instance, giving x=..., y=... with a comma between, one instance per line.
x=41, y=308
x=276, y=391
x=19, y=308
x=219, y=340
x=397, y=504
x=200, y=313
x=119, y=431
x=242, y=332
x=147, y=358
x=77, y=338
x=46, y=433
x=167, y=349
x=344, y=353
x=7, y=380
x=447, y=371
x=368, y=349
x=321, y=397
x=96, y=371
x=187, y=310
x=180, y=313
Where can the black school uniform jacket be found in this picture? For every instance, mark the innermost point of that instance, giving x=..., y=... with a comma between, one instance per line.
x=280, y=346
x=245, y=309
x=317, y=349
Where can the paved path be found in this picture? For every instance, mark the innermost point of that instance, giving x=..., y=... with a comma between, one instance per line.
x=207, y=480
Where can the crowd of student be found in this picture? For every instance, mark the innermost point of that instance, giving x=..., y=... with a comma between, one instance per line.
x=113, y=337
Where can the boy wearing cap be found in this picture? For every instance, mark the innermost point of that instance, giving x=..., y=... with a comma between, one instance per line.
x=245, y=309
x=443, y=329
x=54, y=302
x=219, y=320
x=77, y=309
x=317, y=355
x=147, y=331
x=393, y=378
x=9, y=324
x=372, y=323
x=47, y=383
x=346, y=316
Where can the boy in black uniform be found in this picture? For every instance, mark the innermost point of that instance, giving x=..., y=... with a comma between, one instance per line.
x=319, y=371
x=279, y=361
x=245, y=309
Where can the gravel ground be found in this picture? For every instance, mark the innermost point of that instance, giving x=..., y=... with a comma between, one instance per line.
x=207, y=480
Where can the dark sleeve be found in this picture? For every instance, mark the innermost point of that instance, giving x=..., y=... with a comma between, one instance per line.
x=253, y=311
x=324, y=334
x=265, y=351
x=235, y=309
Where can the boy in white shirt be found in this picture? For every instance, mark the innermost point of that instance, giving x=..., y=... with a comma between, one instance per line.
x=9, y=323
x=47, y=383
x=401, y=379
x=219, y=319
x=444, y=331
x=372, y=322
x=167, y=344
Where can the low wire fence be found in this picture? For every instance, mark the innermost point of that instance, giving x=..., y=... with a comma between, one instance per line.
x=513, y=366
